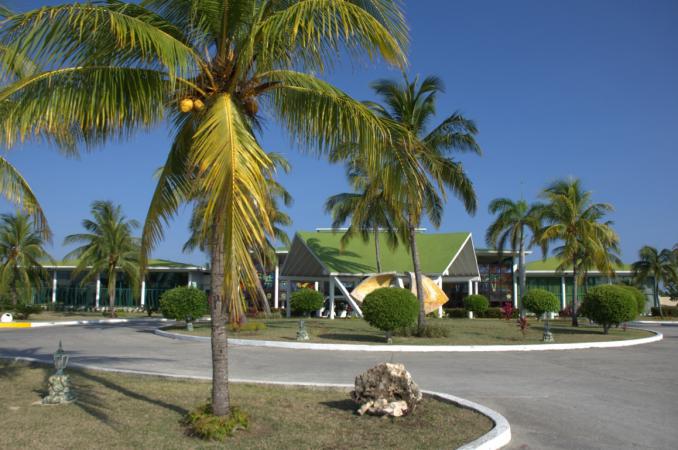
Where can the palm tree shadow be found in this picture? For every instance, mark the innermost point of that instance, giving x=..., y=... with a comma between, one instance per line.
x=337, y=259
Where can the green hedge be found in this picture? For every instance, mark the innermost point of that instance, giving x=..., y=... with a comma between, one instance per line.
x=540, y=301
x=306, y=301
x=638, y=296
x=609, y=305
x=476, y=303
x=184, y=303
x=389, y=309
x=493, y=312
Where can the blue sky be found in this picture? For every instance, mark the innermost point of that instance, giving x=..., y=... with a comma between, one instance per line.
x=557, y=89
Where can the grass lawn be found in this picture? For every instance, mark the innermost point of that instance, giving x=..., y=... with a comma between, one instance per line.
x=126, y=411
x=52, y=316
x=461, y=332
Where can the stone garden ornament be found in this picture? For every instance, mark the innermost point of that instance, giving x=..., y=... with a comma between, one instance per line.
x=59, y=385
x=386, y=390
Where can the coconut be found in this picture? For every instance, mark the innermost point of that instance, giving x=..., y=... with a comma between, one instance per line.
x=186, y=105
x=198, y=104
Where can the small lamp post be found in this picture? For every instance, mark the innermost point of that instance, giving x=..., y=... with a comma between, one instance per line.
x=302, y=334
x=548, y=336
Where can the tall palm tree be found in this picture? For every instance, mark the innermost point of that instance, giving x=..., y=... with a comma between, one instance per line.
x=658, y=265
x=208, y=65
x=607, y=264
x=107, y=247
x=515, y=219
x=368, y=209
x=22, y=253
x=573, y=220
x=416, y=170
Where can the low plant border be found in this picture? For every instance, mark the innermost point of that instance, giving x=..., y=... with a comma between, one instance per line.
x=421, y=348
x=498, y=437
x=63, y=323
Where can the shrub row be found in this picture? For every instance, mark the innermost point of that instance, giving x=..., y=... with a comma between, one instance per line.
x=489, y=313
x=669, y=311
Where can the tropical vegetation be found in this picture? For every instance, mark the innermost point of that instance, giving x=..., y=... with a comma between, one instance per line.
x=576, y=223
x=389, y=309
x=540, y=301
x=306, y=301
x=107, y=247
x=22, y=253
x=518, y=223
x=416, y=170
x=609, y=305
x=184, y=303
x=207, y=68
x=659, y=265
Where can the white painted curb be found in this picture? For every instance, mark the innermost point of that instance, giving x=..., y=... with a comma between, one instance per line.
x=419, y=348
x=656, y=322
x=64, y=323
x=498, y=437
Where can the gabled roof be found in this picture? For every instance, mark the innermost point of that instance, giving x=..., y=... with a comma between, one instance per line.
x=315, y=254
x=551, y=265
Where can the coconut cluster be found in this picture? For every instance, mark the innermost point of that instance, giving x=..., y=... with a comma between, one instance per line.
x=188, y=105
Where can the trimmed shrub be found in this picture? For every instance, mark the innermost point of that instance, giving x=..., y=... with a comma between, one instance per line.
x=389, y=309
x=609, y=305
x=183, y=303
x=540, y=301
x=24, y=311
x=638, y=296
x=492, y=312
x=306, y=301
x=455, y=313
x=476, y=303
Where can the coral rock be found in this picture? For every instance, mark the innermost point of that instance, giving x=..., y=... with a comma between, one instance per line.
x=386, y=389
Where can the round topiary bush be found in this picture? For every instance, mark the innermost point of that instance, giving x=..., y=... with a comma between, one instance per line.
x=183, y=303
x=477, y=304
x=305, y=301
x=390, y=309
x=540, y=301
x=609, y=305
x=638, y=296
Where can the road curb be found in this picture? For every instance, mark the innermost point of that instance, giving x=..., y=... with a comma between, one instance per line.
x=656, y=322
x=65, y=323
x=498, y=437
x=420, y=348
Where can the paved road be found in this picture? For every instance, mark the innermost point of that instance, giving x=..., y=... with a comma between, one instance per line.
x=598, y=398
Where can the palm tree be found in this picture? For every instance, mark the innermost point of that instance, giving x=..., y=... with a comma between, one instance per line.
x=265, y=257
x=107, y=247
x=13, y=186
x=416, y=170
x=655, y=264
x=514, y=220
x=22, y=253
x=208, y=65
x=606, y=264
x=572, y=219
x=368, y=208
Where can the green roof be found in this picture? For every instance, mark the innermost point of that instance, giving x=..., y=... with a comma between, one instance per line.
x=551, y=264
x=436, y=251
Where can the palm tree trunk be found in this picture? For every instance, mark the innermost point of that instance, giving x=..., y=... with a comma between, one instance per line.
x=523, y=278
x=111, y=291
x=376, y=248
x=221, y=403
x=575, y=304
x=417, y=274
x=262, y=297
x=657, y=301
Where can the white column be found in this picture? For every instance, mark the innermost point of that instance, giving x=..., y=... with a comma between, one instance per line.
x=399, y=282
x=288, y=307
x=276, y=287
x=143, y=293
x=563, y=299
x=54, y=286
x=475, y=287
x=515, y=283
x=470, y=287
x=439, y=282
x=191, y=280
x=332, y=287
x=97, y=296
x=315, y=285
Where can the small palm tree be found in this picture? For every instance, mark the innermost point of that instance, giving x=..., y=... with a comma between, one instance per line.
x=107, y=247
x=22, y=253
x=573, y=220
x=416, y=171
x=513, y=223
x=655, y=264
x=368, y=209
